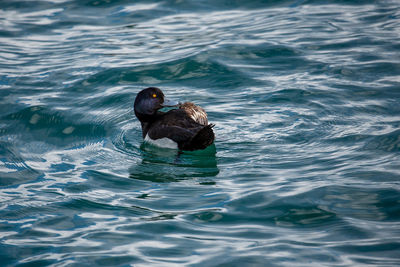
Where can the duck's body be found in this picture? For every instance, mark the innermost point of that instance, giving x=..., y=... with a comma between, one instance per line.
x=184, y=128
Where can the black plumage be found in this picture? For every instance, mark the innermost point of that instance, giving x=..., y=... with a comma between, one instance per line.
x=188, y=127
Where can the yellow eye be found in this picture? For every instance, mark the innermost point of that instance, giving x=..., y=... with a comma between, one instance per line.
x=154, y=95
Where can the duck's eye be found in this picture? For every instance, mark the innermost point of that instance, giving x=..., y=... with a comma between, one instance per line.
x=154, y=95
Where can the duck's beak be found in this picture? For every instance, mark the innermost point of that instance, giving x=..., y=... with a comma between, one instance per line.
x=170, y=103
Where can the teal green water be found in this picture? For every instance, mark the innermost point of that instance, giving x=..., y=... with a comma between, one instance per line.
x=305, y=169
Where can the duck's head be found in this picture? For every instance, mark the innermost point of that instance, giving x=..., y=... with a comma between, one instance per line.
x=149, y=101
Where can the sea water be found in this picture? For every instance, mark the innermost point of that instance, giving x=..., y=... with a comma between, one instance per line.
x=305, y=168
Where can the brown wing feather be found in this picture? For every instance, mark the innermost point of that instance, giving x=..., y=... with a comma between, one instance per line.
x=195, y=112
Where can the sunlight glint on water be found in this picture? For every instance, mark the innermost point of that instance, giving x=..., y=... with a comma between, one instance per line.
x=305, y=167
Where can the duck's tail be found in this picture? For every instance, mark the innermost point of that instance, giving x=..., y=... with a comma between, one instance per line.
x=202, y=139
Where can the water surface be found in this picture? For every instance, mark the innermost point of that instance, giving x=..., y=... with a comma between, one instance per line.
x=305, y=169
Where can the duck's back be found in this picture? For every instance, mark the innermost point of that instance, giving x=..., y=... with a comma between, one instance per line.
x=198, y=114
x=179, y=126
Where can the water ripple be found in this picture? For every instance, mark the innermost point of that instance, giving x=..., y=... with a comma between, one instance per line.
x=304, y=170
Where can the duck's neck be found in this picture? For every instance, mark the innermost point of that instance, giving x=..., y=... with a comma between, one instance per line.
x=146, y=122
x=145, y=128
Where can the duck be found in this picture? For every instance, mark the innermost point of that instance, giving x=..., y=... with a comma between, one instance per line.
x=184, y=127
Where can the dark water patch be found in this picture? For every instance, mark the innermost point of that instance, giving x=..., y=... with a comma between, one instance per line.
x=288, y=212
x=14, y=169
x=256, y=53
x=389, y=203
x=388, y=142
x=26, y=5
x=190, y=70
x=267, y=59
x=77, y=188
x=297, y=96
x=97, y=179
x=358, y=92
x=372, y=249
x=43, y=123
x=203, y=6
x=367, y=72
x=341, y=2
x=304, y=169
x=17, y=213
x=91, y=206
x=357, y=203
x=373, y=175
x=36, y=262
x=102, y=78
x=351, y=44
x=379, y=69
x=104, y=3
x=16, y=177
x=173, y=166
x=350, y=139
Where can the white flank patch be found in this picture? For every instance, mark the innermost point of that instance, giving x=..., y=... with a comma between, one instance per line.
x=162, y=142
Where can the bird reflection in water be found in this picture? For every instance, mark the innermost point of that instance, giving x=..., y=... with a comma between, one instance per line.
x=169, y=165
